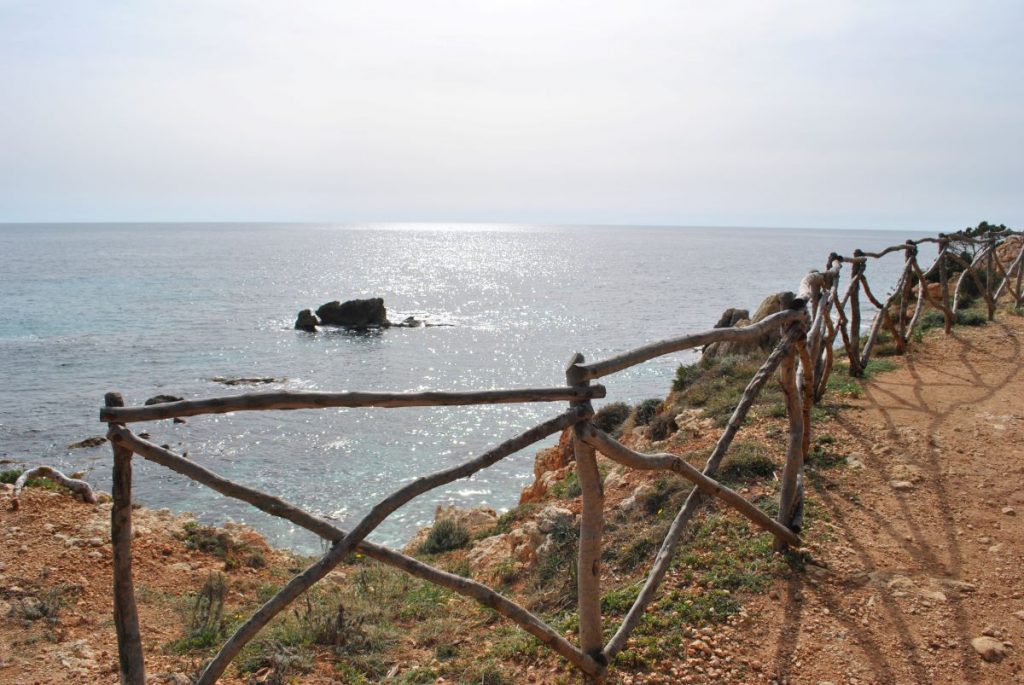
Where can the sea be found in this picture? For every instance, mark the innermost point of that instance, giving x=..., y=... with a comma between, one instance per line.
x=147, y=309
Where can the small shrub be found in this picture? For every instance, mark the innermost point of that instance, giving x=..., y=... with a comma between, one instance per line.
x=446, y=535
x=610, y=417
x=205, y=625
x=662, y=427
x=219, y=543
x=971, y=318
x=744, y=463
x=569, y=487
x=646, y=411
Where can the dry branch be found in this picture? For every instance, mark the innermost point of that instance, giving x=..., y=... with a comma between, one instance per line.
x=277, y=507
x=320, y=400
x=647, y=352
x=678, y=527
x=79, y=487
x=616, y=451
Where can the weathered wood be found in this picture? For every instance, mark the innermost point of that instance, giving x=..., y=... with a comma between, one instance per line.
x=341, y=549
x=853, y=347
x=675, y=532
x=790, y=497
x=131, y=663
x=588, y=574
x=78, y=487
x=947, y=306
x=616, y=451
x=647, y=352
x=922, y=293
x=1014, y=267
x=277, y=507
x=969, y=269
x=318, y=400
x=806, y=379
x=879, y=319
x=990, y=301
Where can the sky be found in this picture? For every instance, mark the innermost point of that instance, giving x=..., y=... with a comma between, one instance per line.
x=897, y=115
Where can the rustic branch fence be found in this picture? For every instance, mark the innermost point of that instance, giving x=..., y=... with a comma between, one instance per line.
x=804, y=358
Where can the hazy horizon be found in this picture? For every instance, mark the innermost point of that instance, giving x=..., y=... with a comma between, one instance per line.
x=761, y=114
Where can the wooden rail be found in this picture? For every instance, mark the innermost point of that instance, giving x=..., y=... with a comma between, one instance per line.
x=804, y=358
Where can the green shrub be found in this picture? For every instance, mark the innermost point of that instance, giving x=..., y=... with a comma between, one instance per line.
x=744, y=463
x=445, y=535
x=662, y=427
x=646, y=411
x=569, y=487
x=610, y=417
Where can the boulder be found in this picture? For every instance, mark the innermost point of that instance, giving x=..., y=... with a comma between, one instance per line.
x=989, y=648
x=772, y=304
x=307, y=321
x=730, y=317
x=354, y=313
x=163, y=399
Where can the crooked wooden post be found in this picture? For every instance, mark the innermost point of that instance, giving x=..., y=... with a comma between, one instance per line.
x=791, y=495
x=990, y=301
x=947, y=312
x=591, y=529
x=857, y=269
x=131, y=663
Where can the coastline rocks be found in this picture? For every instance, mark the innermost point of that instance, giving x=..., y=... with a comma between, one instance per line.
x=549, y=466
x=307, y=321
x=731, y=316
x=509, y=554
x=257, y=380
x=354, y=313
x=162, y=399
x=475, y=521
x=772, y=304
x=88, y=442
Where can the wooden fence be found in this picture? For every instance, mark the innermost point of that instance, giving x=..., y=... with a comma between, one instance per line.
x=804, y=358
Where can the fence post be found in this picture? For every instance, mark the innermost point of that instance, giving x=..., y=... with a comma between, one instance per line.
x=857, y=270
x=791, y=494
x=944, y=280
x=990, y=277
x=131, y=663
x=591, y=529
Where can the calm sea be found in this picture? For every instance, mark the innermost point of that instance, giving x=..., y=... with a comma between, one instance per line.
x=144, y=309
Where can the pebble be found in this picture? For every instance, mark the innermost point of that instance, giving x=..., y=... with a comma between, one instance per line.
x=901, y=485
x=1009, y=511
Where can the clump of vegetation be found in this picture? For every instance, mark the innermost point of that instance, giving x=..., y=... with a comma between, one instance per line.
x=745, y=462
x=662, y=427
x=556, y=571
x=717, y=384
x=646, y=411
x=934, y=319
x=236, y=553
x=205, y=624
x=10, y=476
x=446, y=535
x=569, y=487
x=45, y=605
x=610, y=417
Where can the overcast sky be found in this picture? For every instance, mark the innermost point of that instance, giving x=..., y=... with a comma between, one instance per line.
x=826, y=114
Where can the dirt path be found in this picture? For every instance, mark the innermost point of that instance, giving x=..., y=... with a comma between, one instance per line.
x=921, y=536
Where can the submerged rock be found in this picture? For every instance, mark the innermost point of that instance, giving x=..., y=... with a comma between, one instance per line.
x=257, y=380
x=88, y=442
x=163, y=399
x=354, y=313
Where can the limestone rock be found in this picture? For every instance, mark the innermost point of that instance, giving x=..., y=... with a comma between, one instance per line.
x=772, y=304
x=989, y=648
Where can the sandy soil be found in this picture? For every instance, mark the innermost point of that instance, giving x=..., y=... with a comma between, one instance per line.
x=922, y=551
